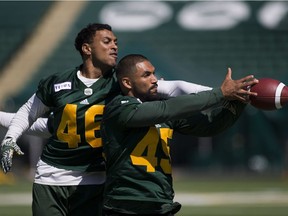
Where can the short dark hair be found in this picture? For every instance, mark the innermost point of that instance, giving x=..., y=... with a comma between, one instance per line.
x=86, y=34
x=128, y=64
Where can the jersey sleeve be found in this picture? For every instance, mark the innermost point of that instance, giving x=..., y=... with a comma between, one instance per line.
x=218, y=120
x=155, y=112
x=44, y=91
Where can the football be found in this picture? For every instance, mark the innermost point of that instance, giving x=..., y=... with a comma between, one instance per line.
x=272, y=94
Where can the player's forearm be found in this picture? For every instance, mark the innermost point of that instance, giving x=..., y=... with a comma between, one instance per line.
x=216, y=122
x=172, y=109
x=6, y=118
x=38, y=128
x=25, y=117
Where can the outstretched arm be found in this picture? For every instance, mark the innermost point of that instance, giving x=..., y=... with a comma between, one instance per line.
x=25, y=117
x=21, y=122
x=38, y=128
x=218, y=121
x=149, y=113
x=6, y=118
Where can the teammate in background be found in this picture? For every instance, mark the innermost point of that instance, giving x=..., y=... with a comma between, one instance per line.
x=70, y=174
x=136, y=131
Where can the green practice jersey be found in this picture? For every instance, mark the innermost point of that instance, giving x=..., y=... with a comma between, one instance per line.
x=137, y=148
x=75, y=143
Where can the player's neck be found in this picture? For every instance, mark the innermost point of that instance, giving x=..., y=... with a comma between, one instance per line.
x=91, y=72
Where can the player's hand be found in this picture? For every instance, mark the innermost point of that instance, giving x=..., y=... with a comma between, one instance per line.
x=8, y=146
x=238, y=89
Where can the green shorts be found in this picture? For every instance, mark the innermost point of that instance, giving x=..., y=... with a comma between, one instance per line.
x=67, y=200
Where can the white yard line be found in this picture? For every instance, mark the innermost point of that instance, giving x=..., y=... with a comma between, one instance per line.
x=186, y=199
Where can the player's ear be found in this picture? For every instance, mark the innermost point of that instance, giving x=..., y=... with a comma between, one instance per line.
x=126, y=82
x=86, y=49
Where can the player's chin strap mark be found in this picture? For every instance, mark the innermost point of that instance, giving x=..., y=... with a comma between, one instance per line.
x=278, y=95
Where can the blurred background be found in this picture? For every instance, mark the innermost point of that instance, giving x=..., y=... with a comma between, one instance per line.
x=195, y=41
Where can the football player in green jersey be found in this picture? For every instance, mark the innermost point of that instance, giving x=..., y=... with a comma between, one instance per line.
x=70, y=174
x=136, y=132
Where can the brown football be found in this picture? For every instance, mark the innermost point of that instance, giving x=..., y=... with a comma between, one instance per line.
x=272, y=94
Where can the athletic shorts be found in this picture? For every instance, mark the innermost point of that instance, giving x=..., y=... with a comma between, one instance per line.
x=80, y=200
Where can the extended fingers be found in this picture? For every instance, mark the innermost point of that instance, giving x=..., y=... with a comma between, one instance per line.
x=4, y=166
x=17, y=149
x=245, y=85
x=229, y=74
x=6, y=160
x=246, y=78
x=246, y=92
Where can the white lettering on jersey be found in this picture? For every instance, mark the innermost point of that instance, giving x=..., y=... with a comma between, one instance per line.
x=61, y=86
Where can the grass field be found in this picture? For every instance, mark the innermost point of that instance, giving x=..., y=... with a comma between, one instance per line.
x=207, y=196
x=233, y=197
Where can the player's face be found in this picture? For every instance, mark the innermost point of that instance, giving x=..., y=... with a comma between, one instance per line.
x=144, y=82
x=104, y=49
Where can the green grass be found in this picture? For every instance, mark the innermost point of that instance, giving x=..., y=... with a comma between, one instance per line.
x=214, y=185
x=207, y=184
x=191, y=185
x=16, y=210
x=234, y=211
x=17, y=187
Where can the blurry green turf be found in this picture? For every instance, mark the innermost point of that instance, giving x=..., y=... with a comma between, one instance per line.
x=15, y=186
x=234, y=211
x=15, y=211
x=19, y=187
x=205, y=184
x=230, y=185
x=187, y=211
